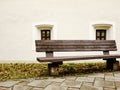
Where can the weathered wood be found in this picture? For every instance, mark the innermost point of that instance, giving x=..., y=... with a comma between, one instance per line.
x=75, y=45
x=73, y=58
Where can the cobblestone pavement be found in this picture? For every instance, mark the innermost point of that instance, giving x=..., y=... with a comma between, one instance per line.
x=98, y=81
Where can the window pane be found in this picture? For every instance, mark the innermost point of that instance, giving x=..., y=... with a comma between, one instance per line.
x=103, y=34
x=45, y=34
x=43, y=38
x=100, y=34
x=48, y=33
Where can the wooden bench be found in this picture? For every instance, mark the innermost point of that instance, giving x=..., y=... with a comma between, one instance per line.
x=51, y=46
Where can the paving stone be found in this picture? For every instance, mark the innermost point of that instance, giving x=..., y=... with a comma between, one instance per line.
x=75, y=84
x=109, y=84
x=109, y=89
x=8, y=83
x=81, y=79
x=20, y=87
x=117, y=79
x=73, y=89
x=56, y=80
x=117, y=74
x=27, y=80
x=103, y=83
x=99, y=75
x=2, y=88
x=99, y=88
x=87, y=83
x=23, y=83
x=56, y=83
x=109, y=78
x=39, y=83
x=70, y=78
x=99, y=83
x=87, y=87
x=118, y=88
x=117, y=84
x=85, y=79
x=53, y=87
x=37, y=89
x=112, y=78
x=109, y=74
x=100, y=79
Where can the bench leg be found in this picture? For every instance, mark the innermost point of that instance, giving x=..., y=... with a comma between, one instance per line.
x=112, y=64
x=53, y=68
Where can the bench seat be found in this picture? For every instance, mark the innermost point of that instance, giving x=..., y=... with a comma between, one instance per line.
x=73, y=58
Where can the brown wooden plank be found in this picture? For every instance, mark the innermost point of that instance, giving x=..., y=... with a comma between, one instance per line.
x=77, y=49
x=74, y=47
x=76, y=42
x=72, y=58
x=72, y=50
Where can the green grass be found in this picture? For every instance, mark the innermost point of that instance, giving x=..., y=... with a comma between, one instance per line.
x=33, y=70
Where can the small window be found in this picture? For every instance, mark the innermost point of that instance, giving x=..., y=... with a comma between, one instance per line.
x=45, y=35
x=100, y=34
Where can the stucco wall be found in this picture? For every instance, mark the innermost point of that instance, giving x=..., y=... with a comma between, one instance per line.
x=72, y=19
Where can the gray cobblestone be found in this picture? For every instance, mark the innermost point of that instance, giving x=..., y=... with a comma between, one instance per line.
x=85, y=79
x=20, y=87
x=56, y=80
x=75, y=84
x=87, y=87
x=37, y=89
x=8, y=83
x=39, y=83
x=2, y=88
x=53, y=87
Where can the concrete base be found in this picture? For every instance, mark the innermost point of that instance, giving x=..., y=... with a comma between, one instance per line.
x=116, y=65
x=54, y=68
x=112, y=64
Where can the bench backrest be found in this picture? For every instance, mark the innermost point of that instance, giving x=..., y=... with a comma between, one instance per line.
x=75, y=45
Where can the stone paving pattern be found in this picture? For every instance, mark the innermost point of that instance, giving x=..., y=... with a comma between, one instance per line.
x=98, y=81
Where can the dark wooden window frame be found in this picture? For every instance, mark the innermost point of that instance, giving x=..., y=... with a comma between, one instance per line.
x=45, y=34
x=102, y=34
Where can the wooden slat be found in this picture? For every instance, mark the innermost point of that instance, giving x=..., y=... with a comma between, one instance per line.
x=72, y=50
x=72, y=58
x=74, y=47
x=75, y=42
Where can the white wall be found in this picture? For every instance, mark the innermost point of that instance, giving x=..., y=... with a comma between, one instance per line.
x=72, y=19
